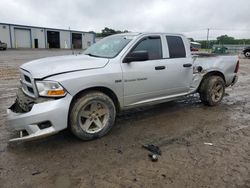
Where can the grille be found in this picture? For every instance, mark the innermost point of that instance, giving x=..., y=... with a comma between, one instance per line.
x=28, y=84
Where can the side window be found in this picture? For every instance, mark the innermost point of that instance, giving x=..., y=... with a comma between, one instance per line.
x=176, y=47
x=152, y=45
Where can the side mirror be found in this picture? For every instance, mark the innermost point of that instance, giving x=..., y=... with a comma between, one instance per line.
x=136, y=56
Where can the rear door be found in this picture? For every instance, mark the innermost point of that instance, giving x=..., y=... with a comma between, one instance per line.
x=179, y=68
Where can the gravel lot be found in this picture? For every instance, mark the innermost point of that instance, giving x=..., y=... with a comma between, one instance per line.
x=179, y=128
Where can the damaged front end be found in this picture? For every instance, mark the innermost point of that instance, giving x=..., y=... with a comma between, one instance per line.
x=37, y=117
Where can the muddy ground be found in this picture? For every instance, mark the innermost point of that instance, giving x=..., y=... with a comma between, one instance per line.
x=179, y=128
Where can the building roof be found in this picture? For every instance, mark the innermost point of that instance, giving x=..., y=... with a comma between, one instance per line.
x=47, y=28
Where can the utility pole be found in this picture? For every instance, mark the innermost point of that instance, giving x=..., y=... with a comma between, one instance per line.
x=207, y=38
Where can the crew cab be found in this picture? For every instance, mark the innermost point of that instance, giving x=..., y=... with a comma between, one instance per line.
x=85, y=92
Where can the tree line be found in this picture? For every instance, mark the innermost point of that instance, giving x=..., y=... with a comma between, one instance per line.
x=221, y=40
x=108, y=31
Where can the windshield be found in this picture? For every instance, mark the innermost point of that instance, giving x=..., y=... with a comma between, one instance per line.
x=108, y=47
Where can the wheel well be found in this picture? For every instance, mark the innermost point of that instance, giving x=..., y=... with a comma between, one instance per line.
x=104, y=90
x=212, y=73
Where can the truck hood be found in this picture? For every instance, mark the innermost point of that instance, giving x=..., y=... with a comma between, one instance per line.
x=45, y=67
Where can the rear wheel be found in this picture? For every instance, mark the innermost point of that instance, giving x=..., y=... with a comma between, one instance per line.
x=212, y=90
x=92, y=116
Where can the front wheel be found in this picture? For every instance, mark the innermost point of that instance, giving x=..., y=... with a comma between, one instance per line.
x=212, y=90
x=92, y=115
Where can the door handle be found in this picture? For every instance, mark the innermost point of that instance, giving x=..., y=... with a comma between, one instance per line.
x=187, y=65
x=160, y=68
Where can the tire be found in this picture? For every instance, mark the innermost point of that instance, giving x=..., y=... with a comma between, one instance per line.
x=247, y=54
x=212, y=90
x=92, y=115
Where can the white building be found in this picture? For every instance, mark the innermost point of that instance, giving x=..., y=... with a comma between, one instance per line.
x=22, y=36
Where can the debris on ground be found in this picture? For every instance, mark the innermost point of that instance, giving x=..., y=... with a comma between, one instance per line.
x=155, y=151
x=208, y=143
x=154, y=157
x=152, y=148
x=119, y=150
x=36, y=173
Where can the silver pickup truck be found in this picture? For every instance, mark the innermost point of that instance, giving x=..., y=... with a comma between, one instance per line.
x=85, y=92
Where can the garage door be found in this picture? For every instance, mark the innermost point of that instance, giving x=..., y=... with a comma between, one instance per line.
x=77, y=40
x=53, y=39
x=22, y=38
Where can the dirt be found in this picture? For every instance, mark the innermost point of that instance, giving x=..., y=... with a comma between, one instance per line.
x=201, y=146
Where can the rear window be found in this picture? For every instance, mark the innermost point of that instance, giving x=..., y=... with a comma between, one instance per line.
x=176, y=47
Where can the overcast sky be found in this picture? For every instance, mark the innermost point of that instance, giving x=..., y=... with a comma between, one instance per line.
x=191, y=17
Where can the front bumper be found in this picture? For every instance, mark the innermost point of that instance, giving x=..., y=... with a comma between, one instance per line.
x=54, y=111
